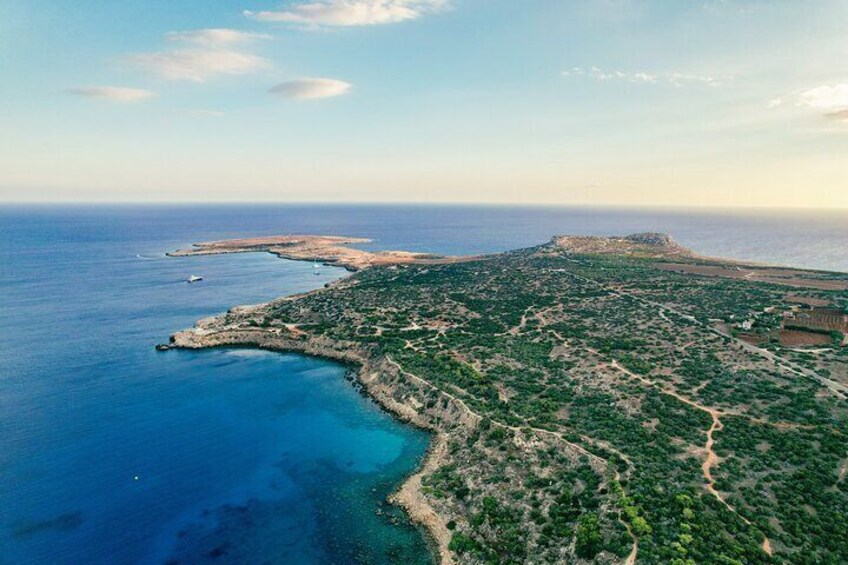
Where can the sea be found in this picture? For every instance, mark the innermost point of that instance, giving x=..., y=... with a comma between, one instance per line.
x=112, y=452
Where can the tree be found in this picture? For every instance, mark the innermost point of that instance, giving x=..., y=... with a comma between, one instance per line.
x=588, y=536
x=461, y=543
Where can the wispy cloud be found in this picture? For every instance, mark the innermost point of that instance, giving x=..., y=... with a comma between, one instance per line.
x=830, y=101
x=681, y=79
x=306, y=88
x=336, y=13
x=674, y=78
x=113, y=93
x=209, y=53
x=198, y=64
x=215, y=37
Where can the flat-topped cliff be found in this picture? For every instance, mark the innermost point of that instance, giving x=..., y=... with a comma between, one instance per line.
x=648, y=244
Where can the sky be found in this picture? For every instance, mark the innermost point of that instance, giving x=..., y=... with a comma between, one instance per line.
x=733, y=103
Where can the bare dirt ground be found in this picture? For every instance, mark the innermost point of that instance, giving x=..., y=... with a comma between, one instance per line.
x=786, y=277
x=795, y=338
x=753, y=338
x=808, y=300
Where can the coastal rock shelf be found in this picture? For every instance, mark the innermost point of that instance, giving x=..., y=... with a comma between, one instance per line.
x=599, y=399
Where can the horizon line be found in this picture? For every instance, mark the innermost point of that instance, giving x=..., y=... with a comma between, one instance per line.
x=489, y=204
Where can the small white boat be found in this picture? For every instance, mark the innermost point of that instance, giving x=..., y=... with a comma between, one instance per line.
x=194, y=279
x=316, y=268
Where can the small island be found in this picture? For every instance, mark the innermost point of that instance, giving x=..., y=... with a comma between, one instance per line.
x=591, y=399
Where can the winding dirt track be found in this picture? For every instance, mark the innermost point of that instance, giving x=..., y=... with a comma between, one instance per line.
x=631, y=559
x=710, y=458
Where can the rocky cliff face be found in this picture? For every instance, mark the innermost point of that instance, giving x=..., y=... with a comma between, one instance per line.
x=654, y=239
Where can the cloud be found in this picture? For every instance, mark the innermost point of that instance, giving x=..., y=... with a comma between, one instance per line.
x=839, y=116
x=825, y=97
x=601, y=75
x=198, y=64
x=215, y=37
x=681, y=79
x=674, y=79
x=830, y=101
x=643, y=77
x=306, y=88
x=332, y=13
x=113, y=93
x=208, y=52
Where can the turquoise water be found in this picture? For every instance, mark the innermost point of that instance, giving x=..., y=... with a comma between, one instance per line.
x=240, y=456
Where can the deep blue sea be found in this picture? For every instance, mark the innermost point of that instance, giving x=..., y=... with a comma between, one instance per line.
x=113, y=453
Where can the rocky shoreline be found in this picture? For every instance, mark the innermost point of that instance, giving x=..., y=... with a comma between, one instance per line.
x=379, y=379
x=375, y=377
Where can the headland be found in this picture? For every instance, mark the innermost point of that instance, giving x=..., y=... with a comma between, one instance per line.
x=592, y=399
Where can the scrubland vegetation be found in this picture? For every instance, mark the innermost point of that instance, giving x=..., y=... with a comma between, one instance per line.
x=613, y=416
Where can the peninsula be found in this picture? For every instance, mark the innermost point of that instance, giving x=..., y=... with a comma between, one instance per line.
x=332, y=250
x=607, y=400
